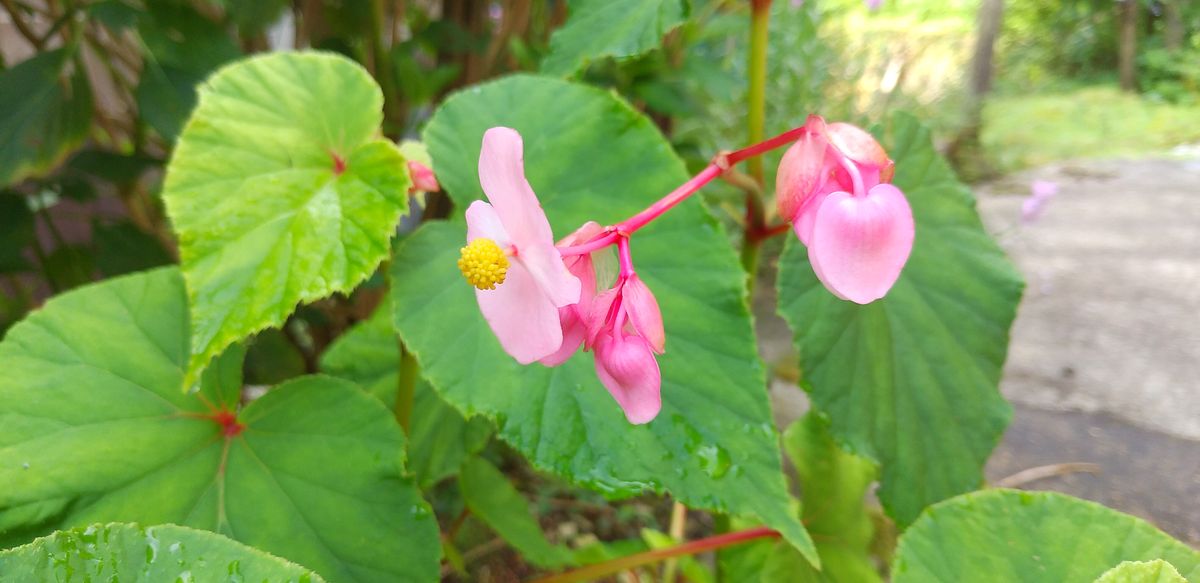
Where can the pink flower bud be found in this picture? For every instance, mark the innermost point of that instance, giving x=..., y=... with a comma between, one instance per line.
x=627, y=368
x=423, y=179
x=833, y=185
x=643, y=313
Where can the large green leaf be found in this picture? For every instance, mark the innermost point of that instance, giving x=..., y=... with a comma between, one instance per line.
x=280, y=192
x=611, y=28
x=439, y=438
x=911, y=380
x=130, y=554
x=489, y=495
x=1006, y=535
x=591, y=156
x=45, y=113
x=1156, y=571
x=96, y=430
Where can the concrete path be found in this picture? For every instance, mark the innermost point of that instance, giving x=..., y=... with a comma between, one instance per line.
x=1104, y=365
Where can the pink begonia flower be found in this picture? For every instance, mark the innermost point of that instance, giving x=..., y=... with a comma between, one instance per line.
x=625, y=331
x=1041, y=191
x=833, y=185
x=423, y=179
x=519, y=276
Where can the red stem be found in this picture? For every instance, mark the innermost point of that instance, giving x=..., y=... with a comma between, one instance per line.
x=771, y=231
x=598, y=570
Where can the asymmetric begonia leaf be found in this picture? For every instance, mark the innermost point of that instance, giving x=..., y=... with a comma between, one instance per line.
x=493, y=499
x=911, y=380
x=1007, y=535
x=439, y=439
x=611, y=28
x=129, y=553
x=281, y=193
x=97, y=430
x=590, y=156
x=45, y=113
x=1156, y=571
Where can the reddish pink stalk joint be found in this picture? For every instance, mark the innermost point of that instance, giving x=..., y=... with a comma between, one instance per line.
x=229, y=423
x=339, y=164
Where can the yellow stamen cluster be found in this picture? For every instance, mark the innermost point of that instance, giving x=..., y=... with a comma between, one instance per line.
x=483, y=264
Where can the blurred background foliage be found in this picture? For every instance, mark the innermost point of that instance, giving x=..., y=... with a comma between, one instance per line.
x=93, y=94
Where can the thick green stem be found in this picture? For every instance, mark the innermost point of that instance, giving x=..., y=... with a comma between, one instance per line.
x=598, y=570
x=756, y=107
x=756, y=95
x=409, y=371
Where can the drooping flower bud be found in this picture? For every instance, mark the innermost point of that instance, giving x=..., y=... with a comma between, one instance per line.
x=627, y=368
x=423, y=179
x=833, y=185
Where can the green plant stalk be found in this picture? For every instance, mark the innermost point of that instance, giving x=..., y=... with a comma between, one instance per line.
x=756, y=107
x=678, y=522
x=598, y=570
x=406, y=387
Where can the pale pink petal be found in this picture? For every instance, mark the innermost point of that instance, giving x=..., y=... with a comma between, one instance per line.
x=857, y=144
x=524, y=320
x=627, y=368
x=502, y=175
x=548, y=270
x=574, y=329
x=482, y=222
x=642, y=308
x=803, y=222
x=860, y=244
x=803, y=170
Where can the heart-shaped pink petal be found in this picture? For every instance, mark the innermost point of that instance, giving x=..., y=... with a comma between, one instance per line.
x=859, y=245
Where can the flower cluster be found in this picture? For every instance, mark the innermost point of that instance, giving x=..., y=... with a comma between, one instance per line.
x=545, y=301
x=833, y=185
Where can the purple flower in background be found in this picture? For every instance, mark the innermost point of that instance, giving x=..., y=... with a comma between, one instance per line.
x=1041, y=191
x=873, y=4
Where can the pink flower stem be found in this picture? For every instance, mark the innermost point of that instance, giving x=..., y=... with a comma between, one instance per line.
x=599, y=570
x=719, y=165
x=625, y=257
x=855, y=175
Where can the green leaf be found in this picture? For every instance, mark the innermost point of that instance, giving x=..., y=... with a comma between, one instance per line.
x=911, y=380
x=1007, y=535
x=182, y=48
x=611, y=28
x=590, y=155
x=281, y=193
x=834, y=486
x=1156, y=571
x=45, y=113
x=96, y=430
x=490, y=497
x=16, y=232
x=439, y=438
x=130, y=553
x=124, y=248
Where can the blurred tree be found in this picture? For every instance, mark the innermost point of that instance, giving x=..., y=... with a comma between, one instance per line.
x=1173, y=36
x=1127, y=52
x=965, y=151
